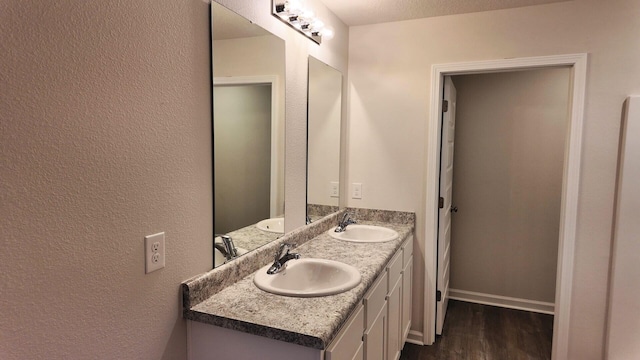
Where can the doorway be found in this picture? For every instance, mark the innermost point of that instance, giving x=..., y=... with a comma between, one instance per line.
x=242, y=155
x=501, y=196
x=570, y=182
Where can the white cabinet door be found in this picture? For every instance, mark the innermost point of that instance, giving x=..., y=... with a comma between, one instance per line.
x=623, y=328
x=407, y=279
x=394, y=303
x=348, y=342
x=374, y=337
x=375, y=302
x=360, y=353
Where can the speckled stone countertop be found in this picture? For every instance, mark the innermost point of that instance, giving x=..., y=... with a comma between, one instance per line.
x=311, y=322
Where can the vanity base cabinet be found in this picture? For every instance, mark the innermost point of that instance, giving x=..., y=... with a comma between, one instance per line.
x=375, y=330
x=208, y=342
x=388, y=307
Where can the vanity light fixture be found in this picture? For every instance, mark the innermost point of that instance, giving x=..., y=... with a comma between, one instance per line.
x=301, y=18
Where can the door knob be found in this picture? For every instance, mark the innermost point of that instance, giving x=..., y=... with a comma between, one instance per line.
x=454, y=209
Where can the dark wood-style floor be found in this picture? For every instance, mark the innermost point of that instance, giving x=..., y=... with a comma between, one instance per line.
x=473, y=331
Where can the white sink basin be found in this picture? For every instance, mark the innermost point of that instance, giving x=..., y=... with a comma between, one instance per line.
x=364, y=234
x=274, y=225
x=309, y=278
x=219, y=259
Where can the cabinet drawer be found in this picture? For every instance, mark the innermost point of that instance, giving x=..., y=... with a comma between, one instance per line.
x=349, y=341
x=394, y=269
x=374, y=299
x=408, y=250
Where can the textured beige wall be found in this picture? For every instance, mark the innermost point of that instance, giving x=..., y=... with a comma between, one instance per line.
x=390, y=73
x=507, y=182
x=105, y=138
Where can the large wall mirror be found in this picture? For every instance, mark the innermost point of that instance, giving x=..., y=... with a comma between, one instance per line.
x=323, y=139
x=248, y=134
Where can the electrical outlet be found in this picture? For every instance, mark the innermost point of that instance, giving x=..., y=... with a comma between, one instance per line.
x=356, y=193
x=334, y=189
x=154, y=252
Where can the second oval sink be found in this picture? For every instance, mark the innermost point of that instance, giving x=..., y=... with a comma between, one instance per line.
x=364, y=234
x=274, y=225
x=309, y=278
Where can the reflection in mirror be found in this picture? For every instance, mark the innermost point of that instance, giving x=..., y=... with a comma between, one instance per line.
x=323, y=139
x=248, y=134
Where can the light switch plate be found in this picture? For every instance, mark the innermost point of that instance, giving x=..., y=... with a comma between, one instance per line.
x=334, y=189
x=154, y=252
x=356, y=193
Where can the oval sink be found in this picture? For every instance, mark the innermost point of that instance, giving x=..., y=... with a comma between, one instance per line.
x=309, y=278
x=274, y=225
x=364, y=234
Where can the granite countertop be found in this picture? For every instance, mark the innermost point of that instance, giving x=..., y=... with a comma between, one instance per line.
x=311, y=322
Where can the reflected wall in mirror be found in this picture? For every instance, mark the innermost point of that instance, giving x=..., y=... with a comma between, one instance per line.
x=324, y=115
x=248, y=134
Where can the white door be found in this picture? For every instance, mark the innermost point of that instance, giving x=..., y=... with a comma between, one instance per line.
x=446, y=187
x=623, y=328
x=242, y=155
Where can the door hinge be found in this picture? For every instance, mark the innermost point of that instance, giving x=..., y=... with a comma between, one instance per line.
x=438, y=295
x=440, y=202
x=445, y=105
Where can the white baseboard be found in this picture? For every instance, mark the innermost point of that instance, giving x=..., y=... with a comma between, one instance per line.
x=415, y=337
x=502, y=301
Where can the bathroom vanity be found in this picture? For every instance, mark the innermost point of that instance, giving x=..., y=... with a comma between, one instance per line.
x=380, y=325
x=230, y=318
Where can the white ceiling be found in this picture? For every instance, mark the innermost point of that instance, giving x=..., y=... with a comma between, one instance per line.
x=362, y=12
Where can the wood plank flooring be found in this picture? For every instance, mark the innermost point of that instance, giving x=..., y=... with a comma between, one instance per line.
x=481, y=332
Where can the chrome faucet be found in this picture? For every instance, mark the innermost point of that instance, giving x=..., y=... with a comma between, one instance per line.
x=346, y=221
x=281, y=257
x=227, y=248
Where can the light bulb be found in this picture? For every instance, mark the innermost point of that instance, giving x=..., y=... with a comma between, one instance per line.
x=327, y=33
x=307, y=14
x=293, y=7
x=317, y=25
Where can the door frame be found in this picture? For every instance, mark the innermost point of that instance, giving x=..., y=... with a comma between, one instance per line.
x=570, y=184
x=276, y=125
